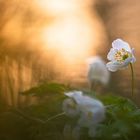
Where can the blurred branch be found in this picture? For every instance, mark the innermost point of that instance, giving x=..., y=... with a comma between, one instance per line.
x=19, y=112
x=36, y=119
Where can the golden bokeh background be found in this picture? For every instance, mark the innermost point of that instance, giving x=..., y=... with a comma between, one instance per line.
x=50, y=40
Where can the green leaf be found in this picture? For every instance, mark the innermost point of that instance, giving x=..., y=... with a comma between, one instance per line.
x=46, y=89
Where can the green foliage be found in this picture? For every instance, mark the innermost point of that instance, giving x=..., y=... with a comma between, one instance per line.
x=122, y=118
x=46, y=89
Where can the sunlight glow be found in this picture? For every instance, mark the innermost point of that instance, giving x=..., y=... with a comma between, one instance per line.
x=73, y=30
x=56, y=7
x=71, y=36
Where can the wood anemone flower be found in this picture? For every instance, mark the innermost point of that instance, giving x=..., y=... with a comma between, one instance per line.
x=120, y=55
x=92, y=111
x=97, y=71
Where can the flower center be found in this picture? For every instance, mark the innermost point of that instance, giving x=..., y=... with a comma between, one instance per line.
x=122, y=55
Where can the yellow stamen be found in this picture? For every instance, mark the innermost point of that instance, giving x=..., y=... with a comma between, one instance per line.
x=122, y=55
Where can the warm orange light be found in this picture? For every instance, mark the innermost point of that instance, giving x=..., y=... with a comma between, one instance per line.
x=73, y=31
x=71, y=35
x=55, y=7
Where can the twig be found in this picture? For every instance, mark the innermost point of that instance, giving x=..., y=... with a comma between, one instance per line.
x=37, y=119
x=28, y=117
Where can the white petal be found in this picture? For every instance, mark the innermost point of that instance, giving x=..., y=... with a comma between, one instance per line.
x=87, y=103
x=119, y=44
x=73, y=94
x=112, y=67
x=96, y=110
x=97, y=72
x=111, y=54
x=133, y=51
x=133, y=59
x=72, y=112
x=97, y=115
x=133, y=56
x=127, y=62
x=69, y=94
x=77, y=96
x=84, y=121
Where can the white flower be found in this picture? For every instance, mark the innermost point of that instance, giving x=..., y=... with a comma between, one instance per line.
x=74, y=94
x=97, y=71
x=120, y=55
x=93, y=112
x=70, y=108
x=91, y=109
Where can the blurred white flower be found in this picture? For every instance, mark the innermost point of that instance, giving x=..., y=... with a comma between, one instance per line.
x=70, y=107
x=86, y=105
x=97, y=71
x=120, y=55
x=74, y=94
x=91, y=111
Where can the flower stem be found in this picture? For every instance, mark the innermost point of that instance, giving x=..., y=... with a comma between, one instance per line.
x=132, y=81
